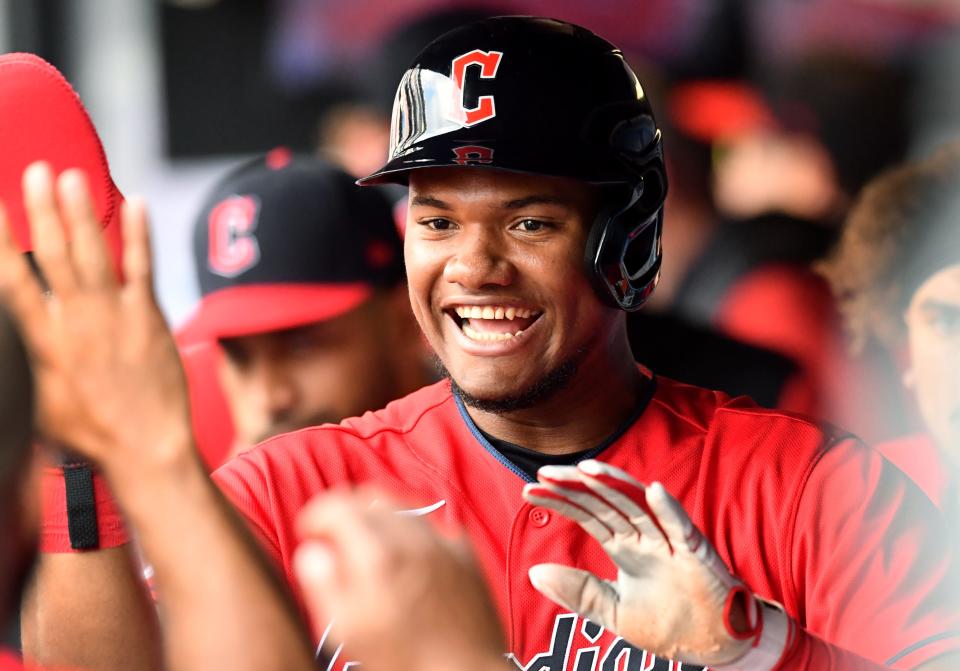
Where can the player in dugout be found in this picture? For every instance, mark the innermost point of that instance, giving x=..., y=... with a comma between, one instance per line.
x=43, y=118
x=22, y=460
x=19, y=502
x=620, y=517
x=896, y=274
x=302, y=283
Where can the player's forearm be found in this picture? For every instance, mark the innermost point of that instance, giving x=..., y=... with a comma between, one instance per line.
x=210, y=576
x=89, y=611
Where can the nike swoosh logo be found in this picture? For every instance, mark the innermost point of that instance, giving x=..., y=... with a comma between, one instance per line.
x=426, y=510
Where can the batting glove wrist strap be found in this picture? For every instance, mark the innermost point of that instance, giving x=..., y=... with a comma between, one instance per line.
x=773, y=632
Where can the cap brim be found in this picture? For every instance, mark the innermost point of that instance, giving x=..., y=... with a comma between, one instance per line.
x=249, y=310
x=44, y=120
x=711, y=111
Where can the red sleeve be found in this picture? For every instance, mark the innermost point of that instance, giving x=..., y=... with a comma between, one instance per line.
x=872, y=567
x=269, y=485
x=246, y=488
x=809, y=652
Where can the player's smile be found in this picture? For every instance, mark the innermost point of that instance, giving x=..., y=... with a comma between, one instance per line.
x=492, y=327
x=496, y=274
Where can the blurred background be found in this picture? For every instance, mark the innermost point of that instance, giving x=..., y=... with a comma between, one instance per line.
x=775, y=113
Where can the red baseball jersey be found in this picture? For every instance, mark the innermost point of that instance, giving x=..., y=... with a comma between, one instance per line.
x=918, y=457
x=9, y=661
x=805, y=516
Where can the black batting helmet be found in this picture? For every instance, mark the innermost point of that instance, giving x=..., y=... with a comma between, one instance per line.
x=545, y=97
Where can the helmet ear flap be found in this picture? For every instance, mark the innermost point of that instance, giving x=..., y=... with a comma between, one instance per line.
x=623, y=251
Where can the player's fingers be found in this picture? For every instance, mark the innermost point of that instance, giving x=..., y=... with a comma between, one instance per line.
x=460, y=547
x=395, y=520
x=683, y=532
x=354, y=531
x=87, y=247
x=548, y=497
x=577, y=590
x=336, y=520
x=328, y=515
x=137, y=253
x=46, y=229
x=673, y=518
x=626, y=494
x=569, y=480
x=19, y=287
x=404, y=537
x=315, y=567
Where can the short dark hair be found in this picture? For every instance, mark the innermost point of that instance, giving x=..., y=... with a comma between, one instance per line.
x=904, y=227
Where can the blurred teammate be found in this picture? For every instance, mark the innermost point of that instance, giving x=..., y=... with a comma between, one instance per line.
x=92, y=388
x=533, y=226
x=896, y=273
x=784, y=169
x=302, y=279
x=19, y=501
x=97, y=390
x=403, y=596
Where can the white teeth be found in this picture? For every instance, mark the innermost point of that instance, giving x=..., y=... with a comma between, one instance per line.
x=487, y=337
x=492, y=312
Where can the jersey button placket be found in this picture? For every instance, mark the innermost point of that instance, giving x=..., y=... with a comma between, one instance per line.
x=539, y=517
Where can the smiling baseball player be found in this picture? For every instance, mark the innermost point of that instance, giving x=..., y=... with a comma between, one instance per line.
x=536, y=189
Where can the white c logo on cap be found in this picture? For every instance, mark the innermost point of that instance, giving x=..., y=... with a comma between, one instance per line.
x=233, y=248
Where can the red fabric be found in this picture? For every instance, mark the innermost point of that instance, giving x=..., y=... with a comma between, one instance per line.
x=247, y=309
x=43, y=119
x=788, y=309
x=826, y=527
x=917, y=456
x=209, y=410
x=718, y=110
x=54, y=531
x=27, y=665
x=9, y=660
x=784, y=308
x=808, y=652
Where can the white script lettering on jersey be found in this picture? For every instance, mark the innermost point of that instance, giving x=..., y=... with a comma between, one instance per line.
x=576, y=644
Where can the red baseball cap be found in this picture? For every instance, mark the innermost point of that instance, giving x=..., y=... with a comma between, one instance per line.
x=710, y=110
x=42, y=119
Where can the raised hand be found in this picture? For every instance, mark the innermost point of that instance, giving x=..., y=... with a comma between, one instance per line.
x=110, y=385
x=400, y=596
x=673, y=595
